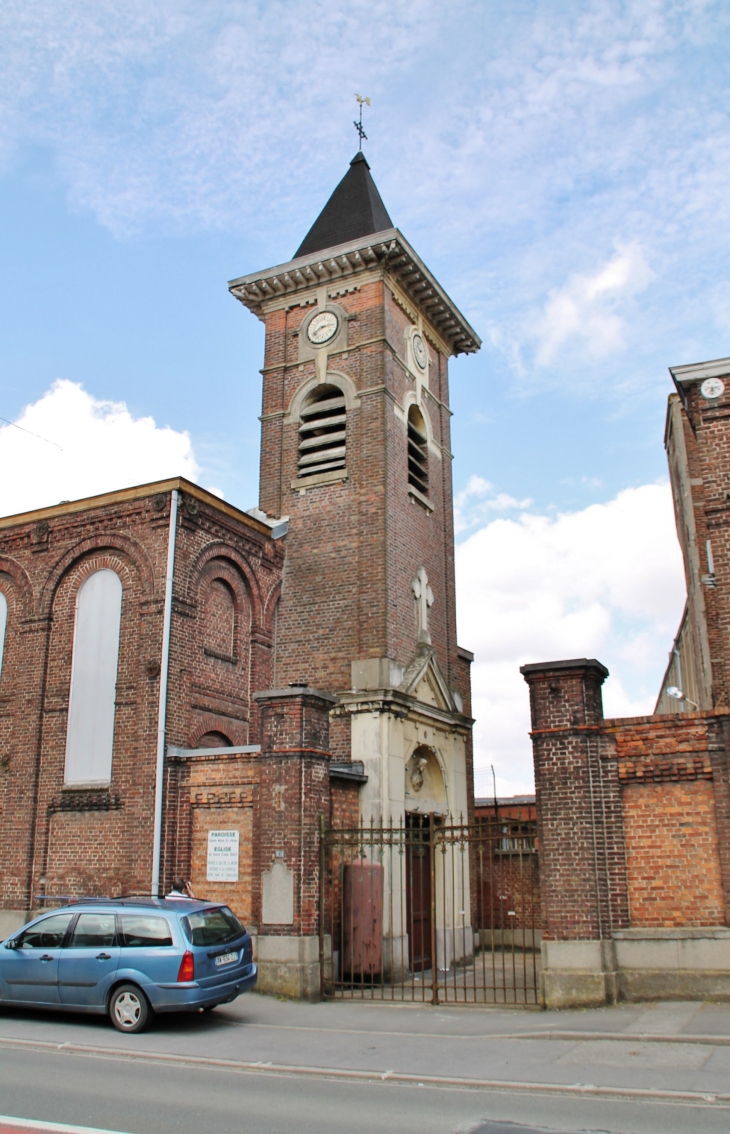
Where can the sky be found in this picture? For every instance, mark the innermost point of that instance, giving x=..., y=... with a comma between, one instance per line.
x=562, y=168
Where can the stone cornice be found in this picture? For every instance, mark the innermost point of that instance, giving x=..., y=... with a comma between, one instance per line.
x=388, y=252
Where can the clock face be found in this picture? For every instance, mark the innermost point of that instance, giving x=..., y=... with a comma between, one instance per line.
x=419, y=352
x=712, y=388
x=322, y=328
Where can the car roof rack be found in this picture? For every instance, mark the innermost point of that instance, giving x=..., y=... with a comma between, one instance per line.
x=120, y=900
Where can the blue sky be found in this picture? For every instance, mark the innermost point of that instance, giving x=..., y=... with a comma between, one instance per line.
x=563, y=169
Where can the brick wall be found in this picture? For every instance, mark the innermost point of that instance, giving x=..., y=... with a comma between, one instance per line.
x=672, y=858
x=54, y=839
x=292, y=799
x=632, y=813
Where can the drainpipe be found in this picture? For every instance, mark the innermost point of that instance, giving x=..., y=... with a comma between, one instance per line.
x=162, y=709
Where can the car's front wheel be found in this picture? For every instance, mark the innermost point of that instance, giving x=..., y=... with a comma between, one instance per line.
x=129, y=1008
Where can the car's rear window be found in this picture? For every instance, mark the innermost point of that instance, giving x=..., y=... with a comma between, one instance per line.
x=140, y=931
x=212, y=927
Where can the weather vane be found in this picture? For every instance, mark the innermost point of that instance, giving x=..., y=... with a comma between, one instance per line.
x=358, y=125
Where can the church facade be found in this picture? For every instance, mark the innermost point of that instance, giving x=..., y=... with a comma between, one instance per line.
x=188, y=688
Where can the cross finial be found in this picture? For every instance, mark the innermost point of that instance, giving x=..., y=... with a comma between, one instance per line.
x=424, y=599
x=358, y=125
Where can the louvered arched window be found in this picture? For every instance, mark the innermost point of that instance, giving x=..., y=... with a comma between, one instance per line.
x=322, y=431
x=417, y=451
x=90, y=734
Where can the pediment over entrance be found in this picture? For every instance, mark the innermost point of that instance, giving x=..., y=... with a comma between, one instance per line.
x=424, y=680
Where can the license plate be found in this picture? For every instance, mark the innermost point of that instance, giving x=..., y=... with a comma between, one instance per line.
x=226, y=958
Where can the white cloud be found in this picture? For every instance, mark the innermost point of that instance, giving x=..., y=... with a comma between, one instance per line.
x=475, y=502
x=604, y=582
x=69, y=445
x=586, y=307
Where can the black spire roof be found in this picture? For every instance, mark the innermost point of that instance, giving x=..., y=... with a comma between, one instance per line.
x=355, y=209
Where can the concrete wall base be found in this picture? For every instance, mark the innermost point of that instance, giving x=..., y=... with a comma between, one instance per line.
x=10, y=920
x=288, y=966
x=638, y=964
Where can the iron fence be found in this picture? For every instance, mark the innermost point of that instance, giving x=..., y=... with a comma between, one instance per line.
x=431, y=910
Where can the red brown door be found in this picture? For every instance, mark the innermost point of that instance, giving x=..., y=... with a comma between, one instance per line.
x=418, y=891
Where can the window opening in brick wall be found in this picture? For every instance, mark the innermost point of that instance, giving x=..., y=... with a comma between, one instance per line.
x=322, y=432
x=417, y=451
x=90, y=734
x=220, y=621
x=3, y=627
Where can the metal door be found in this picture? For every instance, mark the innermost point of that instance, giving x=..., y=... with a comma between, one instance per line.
x=419, y=899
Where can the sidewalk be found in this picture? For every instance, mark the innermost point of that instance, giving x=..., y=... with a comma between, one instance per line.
x=675, y=1047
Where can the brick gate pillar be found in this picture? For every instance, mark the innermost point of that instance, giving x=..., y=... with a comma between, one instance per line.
x=582, y=871
x=293, y=793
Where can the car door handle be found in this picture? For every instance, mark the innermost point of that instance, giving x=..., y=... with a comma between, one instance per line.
x=47, y=957
x=103, y=956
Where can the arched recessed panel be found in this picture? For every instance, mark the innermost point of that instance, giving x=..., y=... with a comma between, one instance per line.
x=90, y=735
x=214, y=740
x=220, y=619
x=3, y=627
x=322, y=432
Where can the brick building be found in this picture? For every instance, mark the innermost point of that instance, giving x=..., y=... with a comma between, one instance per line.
x=634, y=814
x=173, y=668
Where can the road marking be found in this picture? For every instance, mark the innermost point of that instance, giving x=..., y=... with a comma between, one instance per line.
x=9, y=1125
x=583, y=1090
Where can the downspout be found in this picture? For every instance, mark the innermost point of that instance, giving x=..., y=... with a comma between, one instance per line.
x=162, y=708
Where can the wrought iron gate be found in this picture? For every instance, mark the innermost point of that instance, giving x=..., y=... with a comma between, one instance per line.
x=431, y=910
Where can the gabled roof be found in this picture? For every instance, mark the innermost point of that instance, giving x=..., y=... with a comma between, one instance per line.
x=354, y=210
x=137, y=492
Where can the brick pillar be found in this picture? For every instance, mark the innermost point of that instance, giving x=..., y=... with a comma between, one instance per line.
x=293, y=792
x=582, y=873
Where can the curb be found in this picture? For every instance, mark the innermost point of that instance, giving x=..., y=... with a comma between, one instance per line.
x=581, y=1090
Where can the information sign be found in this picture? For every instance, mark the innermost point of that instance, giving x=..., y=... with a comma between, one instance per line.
x=223, y=856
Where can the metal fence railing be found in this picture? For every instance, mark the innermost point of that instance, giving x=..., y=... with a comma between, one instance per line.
x=431, y=910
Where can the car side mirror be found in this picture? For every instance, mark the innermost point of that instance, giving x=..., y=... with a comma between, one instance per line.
x=13, y=943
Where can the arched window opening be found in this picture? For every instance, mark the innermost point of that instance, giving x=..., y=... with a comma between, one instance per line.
x=417, y=451
x=3, y=627
x=220, y=621
x=90, y=734
x=322, y=432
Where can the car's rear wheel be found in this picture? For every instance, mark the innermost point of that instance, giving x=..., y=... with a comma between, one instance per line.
x=129, y=1008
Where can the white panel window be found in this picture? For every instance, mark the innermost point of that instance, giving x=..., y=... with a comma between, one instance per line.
x=3, y=626
x=90, y=733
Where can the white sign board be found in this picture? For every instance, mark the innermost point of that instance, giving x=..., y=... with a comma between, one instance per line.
x=223, y=856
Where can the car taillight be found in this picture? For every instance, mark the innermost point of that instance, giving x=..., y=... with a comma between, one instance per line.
x=187, y=967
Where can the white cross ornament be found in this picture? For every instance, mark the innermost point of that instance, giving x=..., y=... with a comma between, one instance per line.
x=424, y=599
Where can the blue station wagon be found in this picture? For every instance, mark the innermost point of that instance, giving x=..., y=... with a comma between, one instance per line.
x=127, y=958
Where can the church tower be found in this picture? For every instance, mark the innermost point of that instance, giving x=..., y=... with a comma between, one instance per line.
x=356, y=455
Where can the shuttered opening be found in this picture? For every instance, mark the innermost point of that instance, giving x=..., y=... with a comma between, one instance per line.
x=322, y=432
x=417, y=451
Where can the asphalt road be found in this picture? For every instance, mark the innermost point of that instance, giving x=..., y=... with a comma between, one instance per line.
x=79, y=1071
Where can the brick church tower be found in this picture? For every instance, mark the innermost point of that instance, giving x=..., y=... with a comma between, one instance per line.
x=356, y=455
